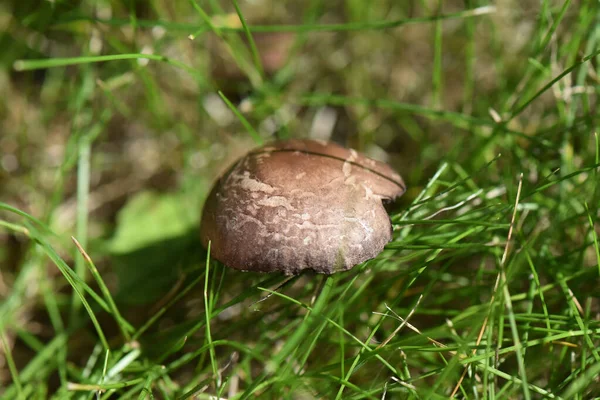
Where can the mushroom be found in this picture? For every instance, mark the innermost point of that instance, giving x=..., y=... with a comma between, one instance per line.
x=300, y=205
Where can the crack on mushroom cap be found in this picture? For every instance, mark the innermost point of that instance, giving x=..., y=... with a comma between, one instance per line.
x=263, y=218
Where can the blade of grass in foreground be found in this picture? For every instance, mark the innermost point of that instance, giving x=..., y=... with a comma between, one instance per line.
x=11, y=366
x=253, y=48
x=507, y=301
x=293, y=341
x=459, y=119
x=303, y=28
x=208, y=307
x=39, y=365
x=594, y=236
x=347, y=333
x=67, y=273
x=234, y=45
x=124, y=326
x=84, y=150
x=35, y=234
x=28, y=65
x=58, y=325
x=242, y=119
x=584, y=381
x=43, y=226
x=519, y=109
x=436, y=79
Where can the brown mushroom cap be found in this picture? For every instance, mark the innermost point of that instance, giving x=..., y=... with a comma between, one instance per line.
x=300, y=204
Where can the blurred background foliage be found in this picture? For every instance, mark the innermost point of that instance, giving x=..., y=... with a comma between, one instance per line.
x=417, y=83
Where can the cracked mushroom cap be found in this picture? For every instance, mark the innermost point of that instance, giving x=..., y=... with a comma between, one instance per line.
x=300, y=204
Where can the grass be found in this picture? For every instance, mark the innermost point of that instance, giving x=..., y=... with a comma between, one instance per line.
x=117, y=116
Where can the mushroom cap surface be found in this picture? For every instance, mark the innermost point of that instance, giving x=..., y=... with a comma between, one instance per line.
x=299, y=205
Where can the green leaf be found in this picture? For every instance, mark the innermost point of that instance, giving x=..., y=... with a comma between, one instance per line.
x=152, y=217
x=156, y=238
